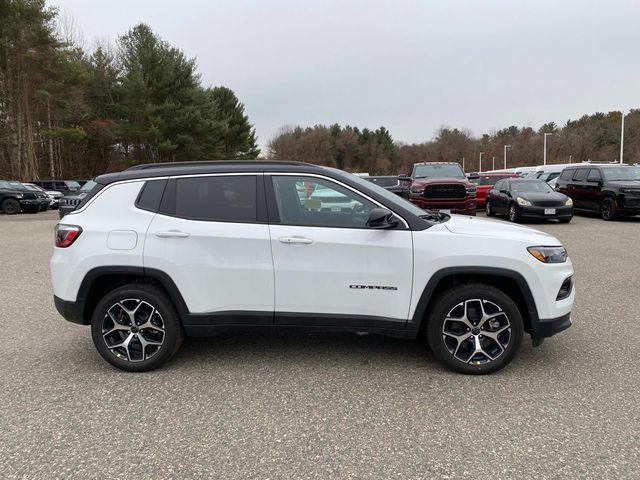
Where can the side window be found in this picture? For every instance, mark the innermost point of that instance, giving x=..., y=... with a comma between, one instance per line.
x=47, y=185
x=150, y=195
x=566, y=174
x=224, y=198
x=580, y=175
x=594, y=175
x=311, y=201
x=552, y=176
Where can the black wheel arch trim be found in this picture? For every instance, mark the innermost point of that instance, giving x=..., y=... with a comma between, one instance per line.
x=415, y=323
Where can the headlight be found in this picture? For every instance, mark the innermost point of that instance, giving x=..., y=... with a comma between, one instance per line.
x=632, y=191
x=471, y=190
x=417, y=189
x=568, y=203
x=523, y=202
x=549, y=254
x=19, y=195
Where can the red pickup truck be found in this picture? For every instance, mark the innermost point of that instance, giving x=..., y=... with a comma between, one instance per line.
x=442, y=186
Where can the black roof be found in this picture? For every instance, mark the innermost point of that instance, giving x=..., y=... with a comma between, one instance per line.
x=150, y=170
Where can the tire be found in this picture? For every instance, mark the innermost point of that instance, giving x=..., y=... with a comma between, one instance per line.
x=565, y=220
x=458, y=307
x=608, y=209
x=488, y=210
x=11, y=206
x=513, y=214
x=136, y=349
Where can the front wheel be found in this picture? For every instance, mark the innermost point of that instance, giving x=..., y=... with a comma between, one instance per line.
x=475, y=329
x=488, y=210
x=513, y=214
x=136, y=328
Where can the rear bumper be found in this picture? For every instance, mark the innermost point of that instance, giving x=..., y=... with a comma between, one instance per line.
x=543, y=328
x=70, y=311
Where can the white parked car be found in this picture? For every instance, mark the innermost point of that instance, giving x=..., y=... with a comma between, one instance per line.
x=160, y=251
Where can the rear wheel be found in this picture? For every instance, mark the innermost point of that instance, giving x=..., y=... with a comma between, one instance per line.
x=475, y=328
x=136, y=328
x=11, y=206
x=513, y=214
x=608, y=210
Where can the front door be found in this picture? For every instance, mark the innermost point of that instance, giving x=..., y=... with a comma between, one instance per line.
x=330, y=268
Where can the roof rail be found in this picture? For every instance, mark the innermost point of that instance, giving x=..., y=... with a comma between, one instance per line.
x=203, y=163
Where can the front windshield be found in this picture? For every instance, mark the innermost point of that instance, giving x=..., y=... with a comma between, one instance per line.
x=88, y=186
x=33, y=188
x=392, y=198
x=17, y=185
x=438, y=171
x=621, y=173
x=531, y=186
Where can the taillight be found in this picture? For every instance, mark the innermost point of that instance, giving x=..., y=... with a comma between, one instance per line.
x=66, y=234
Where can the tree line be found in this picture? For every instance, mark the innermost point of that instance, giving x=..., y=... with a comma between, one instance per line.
x=593, y=137
x=71, y=112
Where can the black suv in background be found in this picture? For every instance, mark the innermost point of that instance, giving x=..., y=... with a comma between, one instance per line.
x=15, y=198
x=70, y=202
x=609, y=190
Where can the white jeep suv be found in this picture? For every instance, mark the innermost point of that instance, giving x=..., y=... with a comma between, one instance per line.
x=163, y=250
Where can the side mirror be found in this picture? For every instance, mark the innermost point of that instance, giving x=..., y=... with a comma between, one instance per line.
x=381, y=218
x=506, y=192
x=405, y=178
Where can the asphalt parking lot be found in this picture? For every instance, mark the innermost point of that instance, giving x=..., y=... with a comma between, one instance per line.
x=323, y=405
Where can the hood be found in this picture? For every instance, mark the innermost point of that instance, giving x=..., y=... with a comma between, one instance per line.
x=475, y=226
x=534, y=197
x=431, y=181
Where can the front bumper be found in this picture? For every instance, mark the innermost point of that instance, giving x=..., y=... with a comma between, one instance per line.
x=548, y=327
x=466, y=206
x=30, y=204
x=539, y=212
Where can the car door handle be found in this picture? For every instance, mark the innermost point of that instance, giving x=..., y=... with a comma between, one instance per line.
x=172, y=234
x=300, y=240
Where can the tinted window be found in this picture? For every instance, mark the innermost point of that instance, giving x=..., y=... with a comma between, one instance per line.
x=531, y=186
x=566, y=174
x=218, y=198
x=621, y=173
x=321, y=203
x=438, y=171
x=581, y=174
x=488, y=180
x=594, y=175
x=150, y=195
x=500, y=185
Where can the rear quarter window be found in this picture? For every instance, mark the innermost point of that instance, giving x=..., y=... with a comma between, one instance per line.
x=151, y=195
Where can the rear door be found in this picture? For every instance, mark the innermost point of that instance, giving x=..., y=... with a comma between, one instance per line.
x=579, y=187
x=330, y=268
x=593, y=189
x=212, y=239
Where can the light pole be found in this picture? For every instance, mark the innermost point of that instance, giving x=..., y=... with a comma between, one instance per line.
x=505, y=155
x=494, y=163
x=622, y=137
x=544, y=162
x=480, y=165
x=463, y=169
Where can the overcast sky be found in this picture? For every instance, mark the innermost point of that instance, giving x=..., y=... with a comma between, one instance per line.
x=411, y=66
